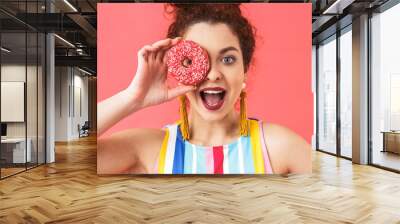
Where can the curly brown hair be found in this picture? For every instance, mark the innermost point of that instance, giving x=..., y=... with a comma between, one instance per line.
x=186, y=15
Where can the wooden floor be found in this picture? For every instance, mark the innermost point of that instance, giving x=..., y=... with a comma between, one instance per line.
x=388, y=159
x=5, y=172
x=70, y=191
x=10, y=171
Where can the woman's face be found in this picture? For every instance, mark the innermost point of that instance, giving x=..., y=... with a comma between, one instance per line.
x=215, y=97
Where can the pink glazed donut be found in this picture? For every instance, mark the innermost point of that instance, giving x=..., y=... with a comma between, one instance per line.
x=188, y=62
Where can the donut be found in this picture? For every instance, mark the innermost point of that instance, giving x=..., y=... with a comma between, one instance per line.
x=187, y=62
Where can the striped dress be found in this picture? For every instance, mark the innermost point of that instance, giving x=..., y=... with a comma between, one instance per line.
x=245, y=155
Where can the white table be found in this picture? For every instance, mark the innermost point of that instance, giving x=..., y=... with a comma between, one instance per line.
x=18, y=149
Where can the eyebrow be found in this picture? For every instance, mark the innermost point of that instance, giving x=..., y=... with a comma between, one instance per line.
x=224, y=50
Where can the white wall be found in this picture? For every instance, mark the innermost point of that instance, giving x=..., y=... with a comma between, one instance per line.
x=70, y=83
x=80, y=84
x=12, y=73
x=61, y=103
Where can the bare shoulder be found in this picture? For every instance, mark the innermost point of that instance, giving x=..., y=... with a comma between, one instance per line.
x=133, y=134
x=289, y=152
x=129, y=151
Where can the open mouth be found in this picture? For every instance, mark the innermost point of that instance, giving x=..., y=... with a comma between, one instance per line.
x=213, y=98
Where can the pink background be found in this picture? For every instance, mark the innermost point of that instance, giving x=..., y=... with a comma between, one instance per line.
x=279, y=84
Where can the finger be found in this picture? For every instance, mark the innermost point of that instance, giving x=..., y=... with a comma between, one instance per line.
x=146, y=48
x=152, y=56
x=164, y=60
x=177, y=91
x=160, y=56
x=162, y=43
x=161, y=51
x=176, y=40
x=163, y=72
x=171, y=43
x=145, y=51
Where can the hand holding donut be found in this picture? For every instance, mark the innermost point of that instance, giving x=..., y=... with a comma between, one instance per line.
x=149, y=85
x=187, y=62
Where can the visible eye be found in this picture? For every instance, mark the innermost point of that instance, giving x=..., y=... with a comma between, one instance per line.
x=228, y=60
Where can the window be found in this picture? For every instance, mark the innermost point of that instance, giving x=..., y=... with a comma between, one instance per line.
x=346, y=92
x=22, y=77
x=385, y=88
x=327, y=95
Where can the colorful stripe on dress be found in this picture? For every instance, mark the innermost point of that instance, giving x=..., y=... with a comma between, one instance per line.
x=225, y=151
x=189, y=159
x=246, y=155
x=209, y=160
x=233, y=155
x=169, y=158
x=179, y=156
x=256, y=147
x=218, y=155
x=267, y=163
x=163, y=152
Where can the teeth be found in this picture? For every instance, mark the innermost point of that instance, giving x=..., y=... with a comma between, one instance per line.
x=213, y=91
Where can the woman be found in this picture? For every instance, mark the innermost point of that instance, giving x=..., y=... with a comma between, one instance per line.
x=211, y=137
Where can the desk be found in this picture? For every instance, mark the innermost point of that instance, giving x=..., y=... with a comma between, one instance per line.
x=13, y=150
x=391, y=141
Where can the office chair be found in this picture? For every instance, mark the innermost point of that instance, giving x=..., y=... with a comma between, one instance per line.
x=84, y=130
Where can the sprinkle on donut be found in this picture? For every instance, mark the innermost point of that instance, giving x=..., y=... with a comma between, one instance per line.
x=188, y=62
